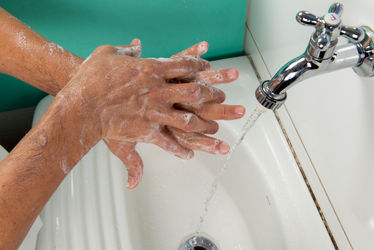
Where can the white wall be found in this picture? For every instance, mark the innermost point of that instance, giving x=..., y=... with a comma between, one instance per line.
x=332, y=114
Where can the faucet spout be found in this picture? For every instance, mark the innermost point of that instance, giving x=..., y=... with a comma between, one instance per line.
x=272, y=94
x=291, y=73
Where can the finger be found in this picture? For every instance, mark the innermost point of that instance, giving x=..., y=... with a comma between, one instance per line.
x=195, y=50
x=182, y=66
x=196, y=141
x=215, y=76
x=166, y=141
x=134, y=49
x=214, y=111
x=190, y=93
x=185, y=121
x=125, y=151
x=136, y=42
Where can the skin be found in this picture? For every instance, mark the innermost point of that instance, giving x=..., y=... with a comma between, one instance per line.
x=112, y=96
x=49, y=67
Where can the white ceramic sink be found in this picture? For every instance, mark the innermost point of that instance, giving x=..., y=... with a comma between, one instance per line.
x=262, y=201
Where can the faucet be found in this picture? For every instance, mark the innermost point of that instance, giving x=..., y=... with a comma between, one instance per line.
x=322, y=55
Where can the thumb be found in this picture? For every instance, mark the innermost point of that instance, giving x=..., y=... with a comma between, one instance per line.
x=125, y=151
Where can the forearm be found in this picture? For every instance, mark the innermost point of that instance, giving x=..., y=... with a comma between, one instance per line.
x=32, y=58
x=34, y=169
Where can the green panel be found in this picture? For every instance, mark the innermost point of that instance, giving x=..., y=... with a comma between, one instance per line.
x=164, y=26
x=15, y=94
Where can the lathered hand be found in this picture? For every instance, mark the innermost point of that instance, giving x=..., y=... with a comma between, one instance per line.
x=129, y=100
x=191, y=140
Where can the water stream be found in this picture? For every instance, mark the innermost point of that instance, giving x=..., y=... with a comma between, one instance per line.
x=256, y=113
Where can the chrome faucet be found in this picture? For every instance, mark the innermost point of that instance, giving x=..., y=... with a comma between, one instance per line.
x=322, y=55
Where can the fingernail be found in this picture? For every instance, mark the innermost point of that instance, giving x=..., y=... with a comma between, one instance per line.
x=213, y=128
x=130, y=182
x=224, y=148
x=135, y=41
x=223, y=97
x=240, y=110
x=202, y=48
x=233, y=74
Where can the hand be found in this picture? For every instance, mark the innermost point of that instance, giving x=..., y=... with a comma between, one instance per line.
x=191, y=140
x=128, y=99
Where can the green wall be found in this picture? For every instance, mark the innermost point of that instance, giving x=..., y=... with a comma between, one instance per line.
x=164, y=26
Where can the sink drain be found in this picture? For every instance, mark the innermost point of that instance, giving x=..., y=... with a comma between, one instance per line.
x=198, y=242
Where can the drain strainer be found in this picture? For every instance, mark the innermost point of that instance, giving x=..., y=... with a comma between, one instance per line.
x=198, y=242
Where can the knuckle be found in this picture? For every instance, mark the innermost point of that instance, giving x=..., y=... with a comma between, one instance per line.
x=201, y=113
x=219, y=95
x=161, y=95
x=149, y=66
x=196, y=92
x=220, y=112
x=212, y=127
x=150, y=114
x=190, y=121
x=224, y=112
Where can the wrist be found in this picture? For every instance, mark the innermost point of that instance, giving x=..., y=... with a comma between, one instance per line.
x=69, y=119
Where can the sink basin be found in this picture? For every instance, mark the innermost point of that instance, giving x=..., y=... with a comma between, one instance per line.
x=262, y=201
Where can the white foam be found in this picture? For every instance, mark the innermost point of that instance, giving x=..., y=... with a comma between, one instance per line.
x=129, y=51
x=21, y=40
x=52, y=48
x=187, y=118
x=144, y=91
x=156, y=76
x=161, y=59
x=218, y=77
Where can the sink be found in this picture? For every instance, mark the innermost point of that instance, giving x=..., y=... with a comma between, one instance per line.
x=262, y=201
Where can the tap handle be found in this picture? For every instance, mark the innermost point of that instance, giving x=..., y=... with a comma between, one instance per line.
x=353, y=34
x=306, y=18
x=336, y=8
x=330, y=20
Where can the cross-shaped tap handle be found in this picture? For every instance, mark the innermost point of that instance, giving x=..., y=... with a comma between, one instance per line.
x=326, y=24
x=330, y=20
x=327, y=27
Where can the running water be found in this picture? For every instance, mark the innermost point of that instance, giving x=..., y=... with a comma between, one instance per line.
x=247, y=126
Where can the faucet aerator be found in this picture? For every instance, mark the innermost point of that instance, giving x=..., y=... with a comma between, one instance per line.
x=269, y=100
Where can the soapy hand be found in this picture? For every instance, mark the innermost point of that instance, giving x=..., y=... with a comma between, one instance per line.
x=206, y=110
x=111, y=96
x=127, y=99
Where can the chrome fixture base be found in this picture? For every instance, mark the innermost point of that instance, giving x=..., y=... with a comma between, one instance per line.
x=366, y=48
